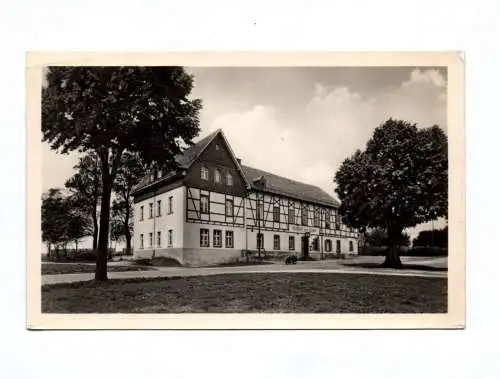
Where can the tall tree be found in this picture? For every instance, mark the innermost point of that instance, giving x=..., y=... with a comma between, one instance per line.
x=129, y=175
x=62, y=219
x=113, y=110
x=54, y=220
x=400, y=180
x=85, y=187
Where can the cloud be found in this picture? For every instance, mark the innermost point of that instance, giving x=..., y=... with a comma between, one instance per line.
x=330, y=127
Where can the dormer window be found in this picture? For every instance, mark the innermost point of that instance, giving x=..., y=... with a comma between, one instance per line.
x=204, y=173
x=217, y=176
x=229, y=179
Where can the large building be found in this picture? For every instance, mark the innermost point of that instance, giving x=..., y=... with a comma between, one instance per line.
x=212, y=208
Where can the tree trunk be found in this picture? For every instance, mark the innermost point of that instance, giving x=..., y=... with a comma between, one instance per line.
x=95, y=232
x=392, y=259
x=128, y=235
x=101, y=270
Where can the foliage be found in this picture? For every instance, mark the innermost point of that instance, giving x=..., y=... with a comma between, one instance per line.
x=399, y=180
x=378, y=237
x=128, y=176
x=432, y=238
x=111, y=111
x=85, y=187
x=62, y=221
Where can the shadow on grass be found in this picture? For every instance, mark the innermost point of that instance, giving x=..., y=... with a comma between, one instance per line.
x=406, y=266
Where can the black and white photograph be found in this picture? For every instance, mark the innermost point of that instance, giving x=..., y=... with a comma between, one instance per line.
x=228, y=189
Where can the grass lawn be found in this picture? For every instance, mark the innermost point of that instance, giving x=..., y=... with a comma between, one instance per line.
x=71, y=268
x=252, y=293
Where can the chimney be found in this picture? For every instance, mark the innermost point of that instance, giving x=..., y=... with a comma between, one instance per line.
x=239, y=160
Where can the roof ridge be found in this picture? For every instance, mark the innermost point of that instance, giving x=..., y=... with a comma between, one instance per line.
x=284, y=177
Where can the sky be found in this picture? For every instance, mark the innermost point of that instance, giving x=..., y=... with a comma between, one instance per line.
x=301, y=122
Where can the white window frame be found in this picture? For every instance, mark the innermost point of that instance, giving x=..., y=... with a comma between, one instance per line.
x=142, y=213
x=229, y=179
x=204, y=173
x=150, y=210
x=230, y=238
x=230, y=208
x=276, y=213
x=217, y=176
x=291, y=246
x=304, y=215
x=217, y=238
x=204, y=210
x=276, y=242
x=158, y=208
x=204, y=237
x=158, y=238
x=141, y=241
x=151, y=240
x=170, y=237
x=170, y=205
x=291, y=212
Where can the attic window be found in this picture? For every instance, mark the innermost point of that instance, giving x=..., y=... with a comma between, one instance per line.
x=204, y=173
x=217, y=147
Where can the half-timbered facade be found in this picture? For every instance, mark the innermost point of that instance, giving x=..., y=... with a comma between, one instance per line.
x=212, y=208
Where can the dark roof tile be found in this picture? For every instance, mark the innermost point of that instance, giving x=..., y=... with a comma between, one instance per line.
x=288, y=187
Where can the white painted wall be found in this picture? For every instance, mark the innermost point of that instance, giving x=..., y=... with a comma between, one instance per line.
x=192, y=235
x=163, y=223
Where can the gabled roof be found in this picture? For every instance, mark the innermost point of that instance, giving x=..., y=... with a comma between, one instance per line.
x=254, y=178
x=266, y=181
x=188, y=157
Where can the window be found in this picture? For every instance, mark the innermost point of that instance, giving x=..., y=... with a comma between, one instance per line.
x=316, y=218
x=152, y=177
x=170, y=208
x=170, y=237
x=328, y=245
x=229, y=179
x=217, y=176
x=217, y=147
x=150, y=210
x=204, y=204
x=276, y=214
x=204, y=238
x=204, y=173
x=260, y=240
x=315, y=244
x=141, y=241
x=158, y=208
x=291, y=243
x=217, y=238
x=260, y=209
x=276, y=241
x=229, y=207
x=229, y=239
x=142, y=212
x=159, y=173
x=338, y=246
x=158, y=239
x=150, y=239
x=337, y=221
x=304, y=215
x=291, y=215
x=327, y=219
x=351, y=246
